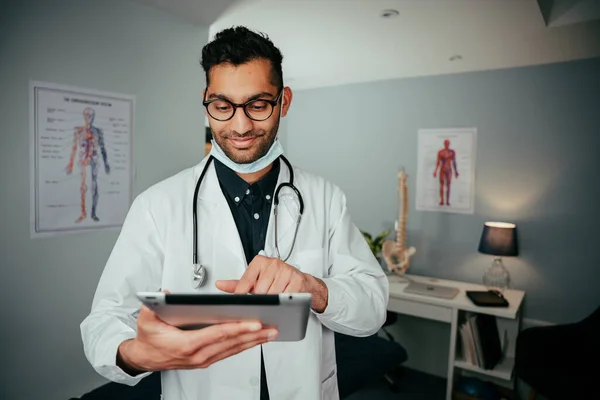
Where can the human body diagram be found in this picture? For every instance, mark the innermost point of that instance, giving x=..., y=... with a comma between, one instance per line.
x=446, y=163
x=88, y=143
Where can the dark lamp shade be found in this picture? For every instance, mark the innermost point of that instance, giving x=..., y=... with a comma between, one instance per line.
x=499, y=239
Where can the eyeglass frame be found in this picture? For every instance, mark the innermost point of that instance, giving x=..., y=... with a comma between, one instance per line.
x=235, y=106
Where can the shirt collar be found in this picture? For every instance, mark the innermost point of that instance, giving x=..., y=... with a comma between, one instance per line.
x=237, y=188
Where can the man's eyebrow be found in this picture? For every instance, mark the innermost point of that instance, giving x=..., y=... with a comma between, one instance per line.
x=249, y=98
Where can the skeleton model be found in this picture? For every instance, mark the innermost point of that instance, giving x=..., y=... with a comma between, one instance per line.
x=396, y=255
x=89, y=140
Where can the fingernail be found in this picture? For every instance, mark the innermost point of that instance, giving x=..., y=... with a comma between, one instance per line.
x=254, y=326
x=272, y=335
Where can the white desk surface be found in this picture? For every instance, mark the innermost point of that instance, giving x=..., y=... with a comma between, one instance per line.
x=461, y=301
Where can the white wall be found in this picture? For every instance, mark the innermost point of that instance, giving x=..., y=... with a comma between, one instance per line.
x=536, y=160
x=46, y=285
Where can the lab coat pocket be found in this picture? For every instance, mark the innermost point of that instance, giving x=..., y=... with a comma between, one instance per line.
x=310, y=262
x=329, y=387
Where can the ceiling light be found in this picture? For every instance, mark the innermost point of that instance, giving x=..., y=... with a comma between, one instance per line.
x=389, y=13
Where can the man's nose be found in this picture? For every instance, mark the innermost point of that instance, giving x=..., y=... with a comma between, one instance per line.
x=240, y=121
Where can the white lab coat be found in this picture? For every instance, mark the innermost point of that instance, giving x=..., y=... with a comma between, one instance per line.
x=154, y=252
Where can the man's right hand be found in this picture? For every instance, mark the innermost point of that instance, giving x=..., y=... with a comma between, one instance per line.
x=160, y=346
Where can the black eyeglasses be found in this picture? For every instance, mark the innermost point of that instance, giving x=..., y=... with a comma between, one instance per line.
x=257, y=109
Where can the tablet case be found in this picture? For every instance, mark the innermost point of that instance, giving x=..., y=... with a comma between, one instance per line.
x=490, y=340
x=487, y=298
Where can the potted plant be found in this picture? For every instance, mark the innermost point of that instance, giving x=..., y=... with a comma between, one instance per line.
x=376, y=243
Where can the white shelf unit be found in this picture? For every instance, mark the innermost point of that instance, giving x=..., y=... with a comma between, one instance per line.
x=503, y=370
x=502, y=373
x=453, y=312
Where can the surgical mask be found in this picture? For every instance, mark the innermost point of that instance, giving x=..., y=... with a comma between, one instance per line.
x=273, y=154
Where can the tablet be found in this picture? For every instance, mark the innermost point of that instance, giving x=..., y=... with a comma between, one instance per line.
x=490, y=298
x=287, y=312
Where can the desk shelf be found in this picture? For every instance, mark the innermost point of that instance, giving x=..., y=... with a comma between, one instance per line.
x=502, y=371
x=454, y=312
x=508, y=330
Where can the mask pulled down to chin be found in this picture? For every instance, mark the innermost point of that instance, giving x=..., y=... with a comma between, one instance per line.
x=274, y=152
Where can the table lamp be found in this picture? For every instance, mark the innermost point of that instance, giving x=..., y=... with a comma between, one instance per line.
x=498, y=239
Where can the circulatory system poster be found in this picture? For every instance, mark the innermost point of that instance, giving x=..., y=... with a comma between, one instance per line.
x=81, y=158
x=446, y=170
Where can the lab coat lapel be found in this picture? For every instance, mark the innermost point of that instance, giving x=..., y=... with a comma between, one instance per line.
x=227, y=245
x=287, y=213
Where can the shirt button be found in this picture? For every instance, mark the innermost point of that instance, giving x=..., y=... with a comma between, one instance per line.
x=254, y=381
x=237, y=199
x=268, y=197
x=256, y=216
x=247, y=191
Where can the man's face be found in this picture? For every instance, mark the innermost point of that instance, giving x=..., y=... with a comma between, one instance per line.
x=242, y=139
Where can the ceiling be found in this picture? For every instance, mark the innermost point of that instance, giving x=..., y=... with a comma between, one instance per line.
x=335, y=42
x=201, y=12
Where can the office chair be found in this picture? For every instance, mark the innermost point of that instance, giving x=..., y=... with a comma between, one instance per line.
x=361, y=360
x=390, y=320
x=561, y=361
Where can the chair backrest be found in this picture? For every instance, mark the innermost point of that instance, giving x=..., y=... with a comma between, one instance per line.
x=593, y=320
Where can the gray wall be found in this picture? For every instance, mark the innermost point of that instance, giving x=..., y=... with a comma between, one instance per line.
x=47, y=285
x=537, y=165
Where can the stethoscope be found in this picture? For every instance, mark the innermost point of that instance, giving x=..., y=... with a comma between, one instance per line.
x=199, y=272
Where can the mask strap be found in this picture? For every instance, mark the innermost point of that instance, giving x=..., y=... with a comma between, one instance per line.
x=280, y=110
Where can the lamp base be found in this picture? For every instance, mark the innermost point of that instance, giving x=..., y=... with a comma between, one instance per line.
x=496, y=277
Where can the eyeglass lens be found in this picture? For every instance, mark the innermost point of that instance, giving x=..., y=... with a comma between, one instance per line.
x=258, y=110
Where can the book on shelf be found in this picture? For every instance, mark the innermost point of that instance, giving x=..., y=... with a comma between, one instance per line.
x=480, y=341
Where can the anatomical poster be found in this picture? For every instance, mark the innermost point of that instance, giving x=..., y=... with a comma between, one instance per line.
x=446, y=170
x=81, y=159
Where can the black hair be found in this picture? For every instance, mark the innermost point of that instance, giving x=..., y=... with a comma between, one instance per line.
x=240, y=45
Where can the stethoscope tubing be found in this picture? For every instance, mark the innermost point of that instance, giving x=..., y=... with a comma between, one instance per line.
x=289, y=184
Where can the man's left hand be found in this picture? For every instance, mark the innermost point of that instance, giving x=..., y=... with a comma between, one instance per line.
x=267, y=275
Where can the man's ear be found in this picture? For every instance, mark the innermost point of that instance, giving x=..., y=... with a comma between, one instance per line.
x=287, y=100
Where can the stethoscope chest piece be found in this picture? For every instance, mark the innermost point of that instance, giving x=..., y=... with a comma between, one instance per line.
x=198, y=275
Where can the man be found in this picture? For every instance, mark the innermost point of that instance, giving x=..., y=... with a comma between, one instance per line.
x=245, y=99
x=446, y=161
x=88, y=139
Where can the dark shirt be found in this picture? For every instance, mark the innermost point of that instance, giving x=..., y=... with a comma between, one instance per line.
x=250, y=206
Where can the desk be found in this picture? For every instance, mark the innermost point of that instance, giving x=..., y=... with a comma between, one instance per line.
x=455, y=310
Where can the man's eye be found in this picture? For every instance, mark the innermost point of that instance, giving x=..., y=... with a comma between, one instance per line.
x=258, y=105
x=221, y=106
